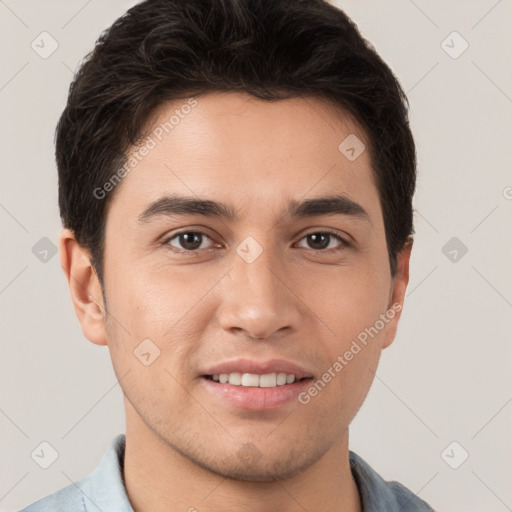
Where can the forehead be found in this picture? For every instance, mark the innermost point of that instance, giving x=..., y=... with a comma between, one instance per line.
x=255, y=153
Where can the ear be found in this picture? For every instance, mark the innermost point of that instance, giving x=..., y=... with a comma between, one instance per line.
x=397, y=293
x=84, y=287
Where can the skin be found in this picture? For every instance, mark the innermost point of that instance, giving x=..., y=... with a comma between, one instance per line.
x=292, y=302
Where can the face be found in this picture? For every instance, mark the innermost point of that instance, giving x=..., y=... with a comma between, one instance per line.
x=277, y=282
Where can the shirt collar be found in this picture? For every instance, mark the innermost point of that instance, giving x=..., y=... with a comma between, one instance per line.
x=378, y=495
x=104, y=488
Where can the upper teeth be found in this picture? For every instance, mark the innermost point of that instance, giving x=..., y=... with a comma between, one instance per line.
x=268, y=380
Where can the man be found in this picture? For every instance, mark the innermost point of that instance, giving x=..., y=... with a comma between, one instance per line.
x=235, y=184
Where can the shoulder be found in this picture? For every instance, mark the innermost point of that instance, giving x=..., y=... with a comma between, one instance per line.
x=68, y=499
x=379, y=495
x=102, y=489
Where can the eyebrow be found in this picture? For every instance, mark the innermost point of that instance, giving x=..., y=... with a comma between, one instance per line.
x=174, y=205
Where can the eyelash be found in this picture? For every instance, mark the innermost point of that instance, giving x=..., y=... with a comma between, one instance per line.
x=343, y=243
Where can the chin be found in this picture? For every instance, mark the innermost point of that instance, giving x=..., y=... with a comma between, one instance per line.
x=248, y=465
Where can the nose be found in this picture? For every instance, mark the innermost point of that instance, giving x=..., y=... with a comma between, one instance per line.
x=260, y=298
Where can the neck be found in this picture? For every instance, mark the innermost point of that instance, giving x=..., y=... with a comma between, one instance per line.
x=158, y=478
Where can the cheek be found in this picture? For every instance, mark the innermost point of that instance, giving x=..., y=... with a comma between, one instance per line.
x=151, y=299
x=161, y=305
x=349, y=305
x=348, y=299
x=340, y=391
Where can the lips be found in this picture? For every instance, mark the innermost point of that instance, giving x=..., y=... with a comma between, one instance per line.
x=267, y=380
x=259, y=367
x=254, y=385
x=253, y=373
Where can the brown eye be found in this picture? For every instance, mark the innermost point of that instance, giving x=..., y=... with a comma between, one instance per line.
x=188, y=241
x=321, y=240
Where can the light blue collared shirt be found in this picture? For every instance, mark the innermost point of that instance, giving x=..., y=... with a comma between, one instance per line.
x=103, y=490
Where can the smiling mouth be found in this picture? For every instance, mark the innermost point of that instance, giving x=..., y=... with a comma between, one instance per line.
x=267, y=380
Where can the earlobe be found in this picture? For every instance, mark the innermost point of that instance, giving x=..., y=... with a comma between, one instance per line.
x=397, y=294
x=84, y=287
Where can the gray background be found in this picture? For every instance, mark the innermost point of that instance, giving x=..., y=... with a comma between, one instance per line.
x=446, y=378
